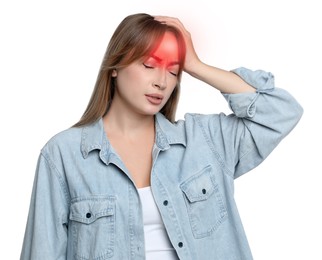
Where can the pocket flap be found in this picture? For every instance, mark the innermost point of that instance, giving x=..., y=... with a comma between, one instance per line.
x=200, y=186
x=88, y=210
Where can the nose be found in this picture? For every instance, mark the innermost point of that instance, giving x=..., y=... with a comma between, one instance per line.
x=160, y=81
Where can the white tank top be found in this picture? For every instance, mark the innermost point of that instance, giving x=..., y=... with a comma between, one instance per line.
x=157, y=243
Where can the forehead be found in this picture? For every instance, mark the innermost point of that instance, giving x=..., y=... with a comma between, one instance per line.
x=168, y=48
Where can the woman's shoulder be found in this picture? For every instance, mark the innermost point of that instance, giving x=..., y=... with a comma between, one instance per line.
x=74, y=139
x=191, y=119
x=190, y=124
x=67, y=139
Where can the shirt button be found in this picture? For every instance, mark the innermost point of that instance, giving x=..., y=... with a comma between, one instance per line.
x=165, y=203
x=180, y=244
x=88, y=215
x=204, y=191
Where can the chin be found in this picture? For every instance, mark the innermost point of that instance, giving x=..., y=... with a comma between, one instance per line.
x=152, y=111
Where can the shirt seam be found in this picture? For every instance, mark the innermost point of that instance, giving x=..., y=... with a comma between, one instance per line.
x=57, y=174
x=217, y=155
x=247, y=128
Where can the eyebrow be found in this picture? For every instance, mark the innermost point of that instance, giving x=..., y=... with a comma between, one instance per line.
x=158, y=59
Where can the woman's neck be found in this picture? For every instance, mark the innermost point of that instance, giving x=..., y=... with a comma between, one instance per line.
x=126, y=123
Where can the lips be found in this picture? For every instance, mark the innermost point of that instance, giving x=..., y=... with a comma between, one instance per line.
x=154, y=99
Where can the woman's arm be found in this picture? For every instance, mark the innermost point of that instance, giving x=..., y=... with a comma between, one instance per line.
x=262, y=114
x=46, y=229
x=224, y=81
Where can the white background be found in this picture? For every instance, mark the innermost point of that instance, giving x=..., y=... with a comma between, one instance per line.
x=49, y=58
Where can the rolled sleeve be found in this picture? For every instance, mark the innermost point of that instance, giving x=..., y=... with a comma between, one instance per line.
x=244, y=104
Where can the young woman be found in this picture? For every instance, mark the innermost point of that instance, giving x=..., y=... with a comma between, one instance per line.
x=128, y=182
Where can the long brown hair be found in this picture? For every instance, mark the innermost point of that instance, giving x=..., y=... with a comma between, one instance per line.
x=135, y=37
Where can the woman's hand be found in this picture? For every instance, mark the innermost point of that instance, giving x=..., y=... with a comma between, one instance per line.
x=191, y=59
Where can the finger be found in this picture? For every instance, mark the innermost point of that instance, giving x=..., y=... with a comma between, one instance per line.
x=172, y=21
x=169, y=20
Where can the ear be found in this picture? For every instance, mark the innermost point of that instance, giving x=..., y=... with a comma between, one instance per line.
x=114, y=73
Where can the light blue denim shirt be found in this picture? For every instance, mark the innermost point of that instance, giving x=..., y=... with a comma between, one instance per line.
x=85, y=205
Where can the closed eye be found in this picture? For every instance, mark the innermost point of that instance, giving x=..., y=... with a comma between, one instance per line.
x=173, y=70
x=148, y=66
x=152, y=67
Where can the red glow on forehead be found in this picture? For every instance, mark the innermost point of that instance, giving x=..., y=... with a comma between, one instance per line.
x=167, y=51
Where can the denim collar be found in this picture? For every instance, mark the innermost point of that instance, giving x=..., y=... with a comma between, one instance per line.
x=168, y=133
x=94, y=137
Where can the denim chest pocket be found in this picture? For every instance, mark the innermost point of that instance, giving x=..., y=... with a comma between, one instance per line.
x=205, y=205
x=92, y=223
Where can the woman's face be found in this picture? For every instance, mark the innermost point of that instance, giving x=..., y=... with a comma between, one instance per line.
x=145, y=85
